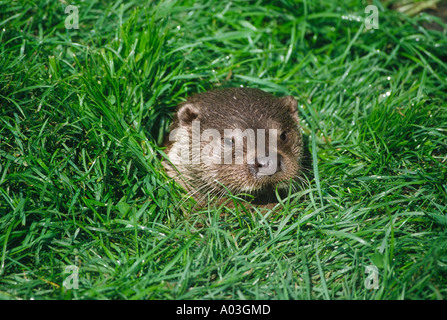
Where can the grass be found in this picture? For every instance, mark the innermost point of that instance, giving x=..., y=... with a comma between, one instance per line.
x=83, y=112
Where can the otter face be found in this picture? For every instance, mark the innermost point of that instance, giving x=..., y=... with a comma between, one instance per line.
x=238, y=140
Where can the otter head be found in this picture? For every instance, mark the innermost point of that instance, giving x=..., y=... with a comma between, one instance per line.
x=236, y=140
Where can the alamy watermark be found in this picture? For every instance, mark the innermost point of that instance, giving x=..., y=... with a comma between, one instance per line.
x=208, y=146
x=72, y=20
x=72, y=280
x=372, y=21
x=372, y=280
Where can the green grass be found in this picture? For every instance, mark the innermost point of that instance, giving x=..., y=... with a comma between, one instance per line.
x=83, y=113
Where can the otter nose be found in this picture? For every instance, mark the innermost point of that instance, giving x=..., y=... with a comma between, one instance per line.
x=268, y=165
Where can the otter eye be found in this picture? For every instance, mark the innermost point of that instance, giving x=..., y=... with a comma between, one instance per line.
x=228, y=141
x=283, y=136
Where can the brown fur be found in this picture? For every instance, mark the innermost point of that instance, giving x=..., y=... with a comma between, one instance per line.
x=237, y=108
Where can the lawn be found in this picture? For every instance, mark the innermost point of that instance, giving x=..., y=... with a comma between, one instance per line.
x=86, y=208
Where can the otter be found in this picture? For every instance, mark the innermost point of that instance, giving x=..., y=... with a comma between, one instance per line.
x=235, y=140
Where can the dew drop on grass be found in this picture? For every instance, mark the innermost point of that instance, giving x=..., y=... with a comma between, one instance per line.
x=111, y=99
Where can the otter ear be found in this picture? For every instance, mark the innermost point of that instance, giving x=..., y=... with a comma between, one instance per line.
x=292, y=104
x=187, y=113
